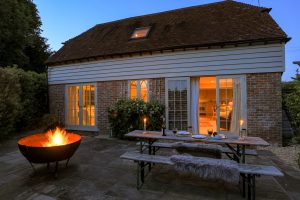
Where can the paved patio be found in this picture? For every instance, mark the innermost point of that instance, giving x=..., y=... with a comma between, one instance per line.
x=96, y=172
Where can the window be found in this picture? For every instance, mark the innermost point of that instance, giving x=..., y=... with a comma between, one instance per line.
x=140, y=33
x=138, y=90
x=177, y=102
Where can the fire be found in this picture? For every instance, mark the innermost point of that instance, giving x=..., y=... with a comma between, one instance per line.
x=57, y=138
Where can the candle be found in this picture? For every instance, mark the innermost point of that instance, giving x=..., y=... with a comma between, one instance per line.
x=241, y=123
x=241, y=126
x=145, y=121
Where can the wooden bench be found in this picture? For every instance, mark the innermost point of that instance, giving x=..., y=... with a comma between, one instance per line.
x=225, y=150
x=248, y=171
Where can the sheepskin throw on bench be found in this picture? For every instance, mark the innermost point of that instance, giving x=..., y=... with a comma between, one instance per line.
x=208, y=168
x=201, y=150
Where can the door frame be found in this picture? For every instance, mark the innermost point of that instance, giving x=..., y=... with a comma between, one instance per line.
x=80, y=126
x=243, y=99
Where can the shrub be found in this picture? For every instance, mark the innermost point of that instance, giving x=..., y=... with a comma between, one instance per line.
x=10, y=101
x=298, y=160
x=127, y=115
x=49, y=121
x=23, y=99
x=291, y=102
x=33, y=96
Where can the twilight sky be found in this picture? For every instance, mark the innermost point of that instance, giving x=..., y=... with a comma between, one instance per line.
x=65, y=19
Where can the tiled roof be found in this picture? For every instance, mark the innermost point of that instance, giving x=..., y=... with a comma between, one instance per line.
x=203, y=25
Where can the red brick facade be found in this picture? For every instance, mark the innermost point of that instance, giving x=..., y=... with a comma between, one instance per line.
x=264, y=106
x=57, y=101
x=263, y=103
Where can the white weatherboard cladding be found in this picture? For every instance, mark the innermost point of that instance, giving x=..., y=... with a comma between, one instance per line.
x=250, y=59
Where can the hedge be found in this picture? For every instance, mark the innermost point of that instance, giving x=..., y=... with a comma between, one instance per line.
x=23, y=99
x=127, y=115
x=291, y=102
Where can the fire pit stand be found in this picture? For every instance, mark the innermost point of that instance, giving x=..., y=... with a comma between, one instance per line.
x=38, y=154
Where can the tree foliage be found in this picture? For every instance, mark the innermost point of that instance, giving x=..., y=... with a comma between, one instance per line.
x=21, y=43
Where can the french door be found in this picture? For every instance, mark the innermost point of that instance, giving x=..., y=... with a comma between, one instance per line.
x=231, y=103
x=178, y=103
x=81, y=107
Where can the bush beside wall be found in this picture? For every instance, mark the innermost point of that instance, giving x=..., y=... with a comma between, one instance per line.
x=23, y=99
x=127, y=115
x=291, y=102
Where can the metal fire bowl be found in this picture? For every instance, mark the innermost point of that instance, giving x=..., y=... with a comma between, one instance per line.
x=35, y=153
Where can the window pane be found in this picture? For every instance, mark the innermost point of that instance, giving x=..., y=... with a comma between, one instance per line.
x=88, y=105
x=144, y=90
x=226, y=103
x=133, y=90
x=177, y=104
x=73, y=105
x=140, y=33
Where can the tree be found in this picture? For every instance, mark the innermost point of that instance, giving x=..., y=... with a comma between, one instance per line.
x=21, y=42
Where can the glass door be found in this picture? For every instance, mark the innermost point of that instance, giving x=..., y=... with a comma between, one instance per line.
x=231, y=103
x=80, y=113
x=178, y=103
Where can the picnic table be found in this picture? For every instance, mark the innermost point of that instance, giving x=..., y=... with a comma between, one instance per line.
x=236, y=145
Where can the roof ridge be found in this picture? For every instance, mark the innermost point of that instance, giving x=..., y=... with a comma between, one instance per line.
x=247, y=4
x=163, y=12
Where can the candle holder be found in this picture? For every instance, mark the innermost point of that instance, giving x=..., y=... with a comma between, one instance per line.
x=243, y=134
x=164, y=127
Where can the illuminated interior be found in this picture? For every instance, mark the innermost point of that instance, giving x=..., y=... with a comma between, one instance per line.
x=88, y=105
x=139, y=90
x=140, y=33
x=208, y=104
x=143, y=90
x=81, y=105
x=133, y=90
x=73, y=105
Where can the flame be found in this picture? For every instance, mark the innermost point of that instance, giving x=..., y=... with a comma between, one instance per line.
x=57, y=138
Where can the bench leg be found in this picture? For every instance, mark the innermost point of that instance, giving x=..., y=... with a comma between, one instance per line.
x=251, y=187
x=243, y=185
x=150, y=152
x=140, y=174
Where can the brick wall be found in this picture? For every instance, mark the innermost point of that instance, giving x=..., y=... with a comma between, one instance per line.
x=108, y=92
x=57, y=101
x=264, y=106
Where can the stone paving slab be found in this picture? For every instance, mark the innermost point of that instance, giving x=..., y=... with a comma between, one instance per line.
x=97, y=172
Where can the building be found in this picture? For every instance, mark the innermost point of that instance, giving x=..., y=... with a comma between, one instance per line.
x=212, y=66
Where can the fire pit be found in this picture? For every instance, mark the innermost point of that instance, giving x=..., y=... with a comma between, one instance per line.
x=53, y=146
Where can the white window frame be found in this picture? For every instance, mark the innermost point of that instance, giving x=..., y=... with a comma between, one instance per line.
x=138, y=89
x=188, y=98
x=80, y=126
x=243, y=98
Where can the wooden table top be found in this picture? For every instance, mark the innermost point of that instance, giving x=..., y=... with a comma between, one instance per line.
x=254, y=141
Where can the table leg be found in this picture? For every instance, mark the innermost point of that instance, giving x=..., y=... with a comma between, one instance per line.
x=243, y=153
x=238, y=153
x=150, y=152
x=141, y=146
